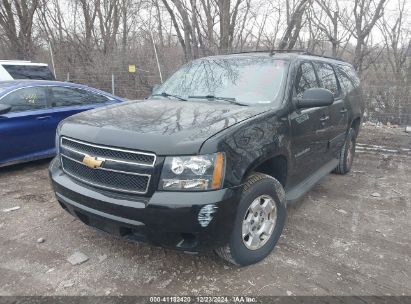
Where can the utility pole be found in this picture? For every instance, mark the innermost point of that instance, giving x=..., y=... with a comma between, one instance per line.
x=155, y=52
x=52, y=59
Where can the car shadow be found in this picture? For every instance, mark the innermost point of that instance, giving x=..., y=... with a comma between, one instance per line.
x=32, y=165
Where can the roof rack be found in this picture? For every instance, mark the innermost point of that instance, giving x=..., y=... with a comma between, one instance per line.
x=271, y=51
x=323, y=56
x=297, y=51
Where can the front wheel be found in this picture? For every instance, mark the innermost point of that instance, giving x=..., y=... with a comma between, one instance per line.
x=259, y=221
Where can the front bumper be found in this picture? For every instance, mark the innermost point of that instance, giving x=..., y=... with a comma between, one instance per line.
x=189, y=221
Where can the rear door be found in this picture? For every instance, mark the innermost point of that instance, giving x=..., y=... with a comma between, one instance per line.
x=23, y=131
x=308, y=127
x=338, y=112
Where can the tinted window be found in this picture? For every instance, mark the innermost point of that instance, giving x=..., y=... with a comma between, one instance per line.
x=256, y=80
x=345, y=80
x=27, y=99
x=351, y=74
x=29, y=72
x=306, y=79
x=327, y=77
x=64, y=97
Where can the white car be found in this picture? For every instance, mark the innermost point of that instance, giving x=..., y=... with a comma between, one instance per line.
x=20, y=69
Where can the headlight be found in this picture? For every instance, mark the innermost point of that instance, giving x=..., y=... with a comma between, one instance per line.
x=193, y=173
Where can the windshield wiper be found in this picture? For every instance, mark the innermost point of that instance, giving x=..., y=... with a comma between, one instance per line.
x=165, y=94
x=212, y=97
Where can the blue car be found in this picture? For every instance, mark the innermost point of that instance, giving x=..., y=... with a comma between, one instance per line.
x=30, y=111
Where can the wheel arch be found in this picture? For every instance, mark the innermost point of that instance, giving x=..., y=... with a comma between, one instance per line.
x=356, y=124
x=276, y=166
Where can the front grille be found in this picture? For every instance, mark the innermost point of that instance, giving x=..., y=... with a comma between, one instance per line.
x=124, y=182
x=120, y=170
x=109, y=153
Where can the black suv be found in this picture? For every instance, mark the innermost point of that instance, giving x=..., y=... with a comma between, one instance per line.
x=213, y=157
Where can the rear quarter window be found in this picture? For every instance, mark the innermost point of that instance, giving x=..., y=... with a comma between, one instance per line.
x=352, y=75
x=345, y=80
x=29, y=72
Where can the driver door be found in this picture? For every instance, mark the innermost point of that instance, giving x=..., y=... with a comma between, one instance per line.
x=308, y=127
x=23, y=129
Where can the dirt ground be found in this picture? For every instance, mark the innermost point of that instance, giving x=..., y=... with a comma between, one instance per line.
x=350, y=235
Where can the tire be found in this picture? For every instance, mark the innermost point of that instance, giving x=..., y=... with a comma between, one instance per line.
x=347, y=154
x=258, y=191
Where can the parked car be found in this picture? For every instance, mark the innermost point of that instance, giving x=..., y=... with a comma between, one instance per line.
x=21, y=69
x=31, y=110
x=213, y=157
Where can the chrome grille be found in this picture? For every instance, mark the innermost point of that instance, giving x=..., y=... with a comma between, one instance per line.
x=120, y=170
x=141, y=158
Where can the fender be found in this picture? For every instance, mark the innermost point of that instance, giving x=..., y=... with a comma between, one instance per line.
x=251, y=143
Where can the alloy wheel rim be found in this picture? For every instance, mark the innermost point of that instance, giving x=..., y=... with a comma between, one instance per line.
x=259, y=222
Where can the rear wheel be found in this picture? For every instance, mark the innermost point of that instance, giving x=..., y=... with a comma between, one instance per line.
x=347, y=154
x=259, y=222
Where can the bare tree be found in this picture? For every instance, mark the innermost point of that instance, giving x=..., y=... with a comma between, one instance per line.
x=329, y=24
x=89, y=12
x=184, y=30
x=16, y=20
x=365, y=14
x=109, y=14
x=194, y=22
x=397, y=39
x=295, y=17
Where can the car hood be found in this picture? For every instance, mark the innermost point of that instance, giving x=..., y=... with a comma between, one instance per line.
x=165, y=127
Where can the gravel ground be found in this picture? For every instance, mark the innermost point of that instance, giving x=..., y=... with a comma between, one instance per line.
x=350, y=235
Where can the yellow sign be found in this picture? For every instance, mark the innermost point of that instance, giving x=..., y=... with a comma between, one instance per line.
x=92, y=162
x=132, y=68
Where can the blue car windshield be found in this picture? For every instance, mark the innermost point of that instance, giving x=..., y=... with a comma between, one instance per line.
x=247, y=80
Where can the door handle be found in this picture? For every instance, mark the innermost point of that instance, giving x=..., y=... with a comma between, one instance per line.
x=43, y=117
x=324, y=118
x=343, y=111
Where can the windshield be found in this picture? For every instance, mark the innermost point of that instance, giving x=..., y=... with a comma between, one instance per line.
x=248, y=81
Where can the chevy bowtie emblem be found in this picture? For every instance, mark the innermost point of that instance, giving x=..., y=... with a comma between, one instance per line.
x=93, y=162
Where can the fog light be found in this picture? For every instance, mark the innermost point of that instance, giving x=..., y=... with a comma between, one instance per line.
x=206, y=214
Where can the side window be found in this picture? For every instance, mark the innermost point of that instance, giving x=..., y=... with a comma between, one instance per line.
x=27, y=99
x=64, y=97
x=352, y=75
x=345, y=80
x=306, y=79
x=95, y=98
x=327, y=77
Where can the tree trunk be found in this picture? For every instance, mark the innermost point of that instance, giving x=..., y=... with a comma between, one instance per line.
x=224, y=12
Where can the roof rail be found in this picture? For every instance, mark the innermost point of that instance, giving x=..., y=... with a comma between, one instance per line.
x=272, y=51
x=298, y=51
x=323, y=56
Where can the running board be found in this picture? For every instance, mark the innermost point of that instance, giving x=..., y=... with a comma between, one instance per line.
x=302, y=188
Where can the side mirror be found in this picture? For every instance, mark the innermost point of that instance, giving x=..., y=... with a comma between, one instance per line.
x=4, y=109
x=154, y=88
x=316, y=97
